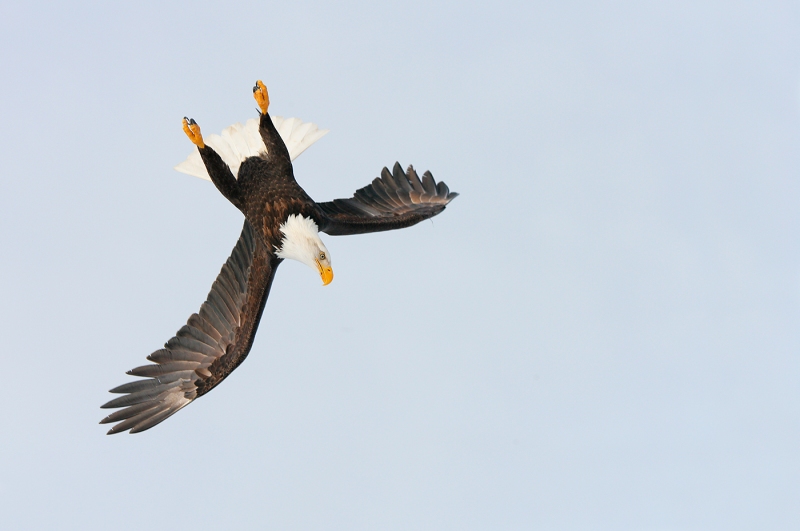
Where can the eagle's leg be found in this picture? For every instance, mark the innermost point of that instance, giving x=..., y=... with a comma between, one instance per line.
x=276, y=149
x=220, y=173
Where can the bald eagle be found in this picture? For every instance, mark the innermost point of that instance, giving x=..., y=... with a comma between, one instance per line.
x=252, y=167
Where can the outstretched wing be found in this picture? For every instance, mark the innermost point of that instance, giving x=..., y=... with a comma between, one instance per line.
x=393, y=201
x=210, y=346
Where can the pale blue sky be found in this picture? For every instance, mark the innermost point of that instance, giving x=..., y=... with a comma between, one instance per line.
x=600, y=333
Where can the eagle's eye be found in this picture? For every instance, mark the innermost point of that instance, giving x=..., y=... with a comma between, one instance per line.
x=322, y=256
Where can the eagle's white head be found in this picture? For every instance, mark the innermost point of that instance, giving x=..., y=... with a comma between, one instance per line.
x=301, y=242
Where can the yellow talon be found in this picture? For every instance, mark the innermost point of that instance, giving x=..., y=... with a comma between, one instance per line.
x=261, y=95
x=192, y=130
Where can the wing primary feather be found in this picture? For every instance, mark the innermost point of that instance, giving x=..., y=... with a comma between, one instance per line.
x=383, y=188
x=128, y=412
x=413, y=178
x=210, y=313
x=171, y=377
x=157, y=418
x=138, y=397
x=223, y=289
x=372, y=193
x=379, y=196
x=400, y=177
x=428, y=183
x=153, y=371
x=205, y=327
x=135, y=387
x=195, y=332
x=219, y=304
x=359, y=206
x=166, y=355
x=135, y=419
x=240, y=270
x=192, y=348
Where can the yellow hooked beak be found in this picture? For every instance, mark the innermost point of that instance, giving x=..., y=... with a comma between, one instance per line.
x=326, y=273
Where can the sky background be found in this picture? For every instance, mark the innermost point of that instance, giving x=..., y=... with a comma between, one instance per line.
x=600, y=333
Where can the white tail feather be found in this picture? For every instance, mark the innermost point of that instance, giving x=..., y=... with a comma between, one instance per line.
x=238, y=142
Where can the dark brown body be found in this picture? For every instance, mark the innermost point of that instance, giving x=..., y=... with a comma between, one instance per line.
x=265, y=190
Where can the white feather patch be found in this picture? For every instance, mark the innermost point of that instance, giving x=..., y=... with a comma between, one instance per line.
x=301, y=241
x=238, y=142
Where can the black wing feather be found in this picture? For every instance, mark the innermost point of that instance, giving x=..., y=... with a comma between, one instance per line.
x=207, y=348
x=394, y=200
